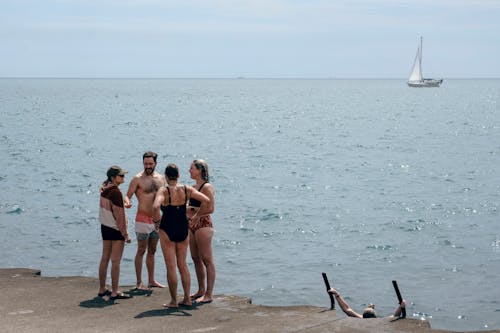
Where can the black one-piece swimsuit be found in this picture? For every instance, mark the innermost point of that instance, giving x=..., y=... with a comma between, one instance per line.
x=174, y=220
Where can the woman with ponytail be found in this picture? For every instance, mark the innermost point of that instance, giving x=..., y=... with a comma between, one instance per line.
x=201, y=232
x=114, y=231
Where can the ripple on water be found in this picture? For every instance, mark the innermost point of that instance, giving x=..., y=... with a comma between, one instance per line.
x=496, y=244
x=228, y=243
x=449, y=243
x=421, y=315
x=56, y=243
x=380, y=247
x=245, y=229
x=15, y=210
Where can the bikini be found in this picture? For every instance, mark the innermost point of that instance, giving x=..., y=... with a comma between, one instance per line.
x=204, y=221
x=194, y=202
x=174, y=220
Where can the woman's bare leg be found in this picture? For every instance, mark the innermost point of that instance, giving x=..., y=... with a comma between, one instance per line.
x=103, y=266
x=168, y=249
x=181, y=252
x=117, y=247
x=198, y=265
x=204, y=241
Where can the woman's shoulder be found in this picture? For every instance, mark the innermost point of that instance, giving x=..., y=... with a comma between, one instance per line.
x=110, y=189
x=176, y=189
x=206, y=185
x=207, y=188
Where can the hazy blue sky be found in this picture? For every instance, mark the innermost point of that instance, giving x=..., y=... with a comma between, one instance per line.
x=254, y=38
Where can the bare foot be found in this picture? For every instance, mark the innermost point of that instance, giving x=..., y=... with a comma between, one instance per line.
x=171, y=305
x=156, y=284
x=186, y=302
x=197, y=295
x=141, y=286
x=204, y=300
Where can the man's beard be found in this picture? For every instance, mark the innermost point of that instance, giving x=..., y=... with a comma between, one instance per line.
x=149, y=171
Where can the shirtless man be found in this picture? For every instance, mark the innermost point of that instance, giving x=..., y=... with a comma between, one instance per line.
x=145, y=185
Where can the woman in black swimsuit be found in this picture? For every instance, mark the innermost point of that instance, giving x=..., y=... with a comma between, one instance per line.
x=171, y=201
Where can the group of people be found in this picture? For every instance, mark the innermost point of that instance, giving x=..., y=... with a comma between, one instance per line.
x=176, y=215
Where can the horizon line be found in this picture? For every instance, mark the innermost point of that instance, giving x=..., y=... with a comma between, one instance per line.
x=232, y=78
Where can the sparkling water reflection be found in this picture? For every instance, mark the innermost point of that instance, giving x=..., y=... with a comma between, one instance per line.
x=366, y=180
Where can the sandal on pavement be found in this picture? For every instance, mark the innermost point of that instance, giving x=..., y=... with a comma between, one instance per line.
x=120, y=296
x=105, y=293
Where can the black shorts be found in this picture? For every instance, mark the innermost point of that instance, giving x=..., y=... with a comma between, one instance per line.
x=110, y=233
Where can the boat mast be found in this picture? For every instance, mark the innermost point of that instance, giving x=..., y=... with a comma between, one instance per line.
x=420, y=59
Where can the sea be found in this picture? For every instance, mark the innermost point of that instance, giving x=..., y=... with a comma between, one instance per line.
x=368, y=181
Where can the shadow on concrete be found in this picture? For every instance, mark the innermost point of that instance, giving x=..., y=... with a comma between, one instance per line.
x=164, y=312
x=96, y=302
x=139, y=292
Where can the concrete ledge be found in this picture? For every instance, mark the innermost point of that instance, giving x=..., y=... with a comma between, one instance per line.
x=33, y=303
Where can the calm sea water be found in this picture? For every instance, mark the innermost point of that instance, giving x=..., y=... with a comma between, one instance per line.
x=366, y=180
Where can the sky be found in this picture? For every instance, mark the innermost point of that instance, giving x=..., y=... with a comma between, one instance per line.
x=254, y=38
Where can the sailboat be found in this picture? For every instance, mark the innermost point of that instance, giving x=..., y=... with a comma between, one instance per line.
x=416, y=79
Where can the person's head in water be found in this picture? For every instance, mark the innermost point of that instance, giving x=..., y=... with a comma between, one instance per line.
x=172, y=172
x=149, y=162
x=369, y=312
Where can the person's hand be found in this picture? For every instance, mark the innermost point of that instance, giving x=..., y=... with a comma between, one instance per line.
x=333, y=292
x=128, y=240
x=127, y=203
x=403, y=304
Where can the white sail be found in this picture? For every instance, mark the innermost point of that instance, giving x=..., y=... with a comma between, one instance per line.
x=416, y=73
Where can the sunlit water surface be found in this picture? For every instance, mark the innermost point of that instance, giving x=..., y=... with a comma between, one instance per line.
x=366, y=180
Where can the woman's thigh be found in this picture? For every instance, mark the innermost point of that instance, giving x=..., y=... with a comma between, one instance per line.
x=204, y=242
x=117, y=247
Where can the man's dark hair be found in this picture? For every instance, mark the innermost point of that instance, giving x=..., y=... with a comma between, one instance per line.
x=151, y=154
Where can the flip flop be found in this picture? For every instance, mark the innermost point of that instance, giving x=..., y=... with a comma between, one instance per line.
x=107, y=292
x=120, y=296
x=186, y=305
x=205, y=302
x=170, y=307
x=196, y=296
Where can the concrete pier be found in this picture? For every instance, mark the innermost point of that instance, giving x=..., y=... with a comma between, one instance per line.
x=30, y=302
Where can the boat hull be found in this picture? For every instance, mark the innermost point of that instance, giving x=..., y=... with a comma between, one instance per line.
x=425, y=83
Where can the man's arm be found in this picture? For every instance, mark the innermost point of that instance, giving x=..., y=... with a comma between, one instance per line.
x=343, y=304
x=397, y=312
x=130, y=192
